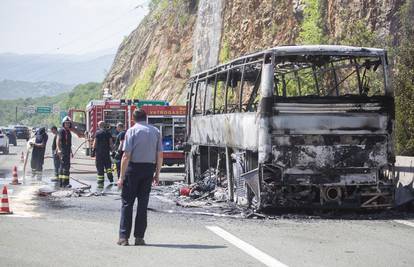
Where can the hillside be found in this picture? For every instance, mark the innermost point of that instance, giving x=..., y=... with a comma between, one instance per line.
x=19, y=89
x=180, y=37
x=66, y=69
x=77, y=98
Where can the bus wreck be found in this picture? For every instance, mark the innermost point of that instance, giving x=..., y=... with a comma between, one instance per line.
x=296, y=126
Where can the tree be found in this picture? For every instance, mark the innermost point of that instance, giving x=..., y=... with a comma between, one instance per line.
x=404, y=82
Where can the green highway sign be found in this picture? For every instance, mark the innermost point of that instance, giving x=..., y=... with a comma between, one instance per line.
x=43, y=110
x=142, y=103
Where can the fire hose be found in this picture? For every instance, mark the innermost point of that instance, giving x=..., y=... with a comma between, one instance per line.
x=76, y=151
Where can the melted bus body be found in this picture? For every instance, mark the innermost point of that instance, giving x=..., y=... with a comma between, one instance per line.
x=296, y=126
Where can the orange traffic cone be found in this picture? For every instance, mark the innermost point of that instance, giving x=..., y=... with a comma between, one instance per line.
x=22, y=157
x=15, y=180
x=4, y=203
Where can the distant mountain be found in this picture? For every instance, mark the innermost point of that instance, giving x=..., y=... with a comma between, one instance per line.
x=66, y=69
x=19, y=89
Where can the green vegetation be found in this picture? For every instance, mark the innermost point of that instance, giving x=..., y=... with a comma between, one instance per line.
x=224, y=52
x=358, y=34
x=311, y=31
x=404, y=83
x=77, y=98
x=175, y=12
x=139, y=89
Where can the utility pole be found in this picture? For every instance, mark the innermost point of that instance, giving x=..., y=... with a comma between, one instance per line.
x=16, y=115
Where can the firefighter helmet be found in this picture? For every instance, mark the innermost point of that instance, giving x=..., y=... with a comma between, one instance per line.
x=67, y=119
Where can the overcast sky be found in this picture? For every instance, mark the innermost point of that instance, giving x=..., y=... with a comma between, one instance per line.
x=67, y=26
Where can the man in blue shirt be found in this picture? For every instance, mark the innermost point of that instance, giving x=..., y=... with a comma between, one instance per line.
x=140, y=166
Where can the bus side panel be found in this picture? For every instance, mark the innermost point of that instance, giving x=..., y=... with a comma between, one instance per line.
x=238, y=130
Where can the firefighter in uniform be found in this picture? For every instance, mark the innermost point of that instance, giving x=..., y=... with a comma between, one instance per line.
x=118, y=152
x=64, y=151
x=56, y=159
x=38, y=154
x=102, y=145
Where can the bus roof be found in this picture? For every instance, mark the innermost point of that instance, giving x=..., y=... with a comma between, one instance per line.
x=329, y=50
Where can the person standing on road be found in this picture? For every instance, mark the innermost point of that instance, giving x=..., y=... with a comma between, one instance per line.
x=119, y=143
x=102, y=145
x=38, y=154
x=64, y=151
x=56, y=159
x=141, y=159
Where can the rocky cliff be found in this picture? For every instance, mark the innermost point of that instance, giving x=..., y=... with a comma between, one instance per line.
x=179, y=37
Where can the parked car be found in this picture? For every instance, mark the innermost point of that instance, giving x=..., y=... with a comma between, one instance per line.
x=4, y=143
x=22, y=132
x=11, y=134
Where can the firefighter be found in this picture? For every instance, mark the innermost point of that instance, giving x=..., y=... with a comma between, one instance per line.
x=118, y=153
x=38, y=154
x=102, y=145
x=64, y=151
x=56, y=159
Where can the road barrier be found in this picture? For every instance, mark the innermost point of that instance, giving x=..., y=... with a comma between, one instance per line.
x=4, y=204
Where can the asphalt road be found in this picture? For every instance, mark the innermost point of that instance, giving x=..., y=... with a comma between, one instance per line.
x=82, y=231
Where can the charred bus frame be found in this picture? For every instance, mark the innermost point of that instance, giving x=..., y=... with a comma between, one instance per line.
x=296, y=126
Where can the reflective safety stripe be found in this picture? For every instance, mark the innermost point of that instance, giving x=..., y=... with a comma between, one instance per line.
x=64, y=177
x=4, y=205
x=108, y=170
x=101, y=178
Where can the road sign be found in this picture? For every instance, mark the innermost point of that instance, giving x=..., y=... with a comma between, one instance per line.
x=56, y=109
x=44, y=110
x=142, y=103
x=31, y=110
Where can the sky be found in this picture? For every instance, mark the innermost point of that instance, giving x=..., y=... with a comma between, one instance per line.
x=67, y=26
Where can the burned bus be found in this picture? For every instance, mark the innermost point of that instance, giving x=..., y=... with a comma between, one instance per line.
x=296, y=126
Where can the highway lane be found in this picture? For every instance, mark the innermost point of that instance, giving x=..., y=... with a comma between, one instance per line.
x=82, y=231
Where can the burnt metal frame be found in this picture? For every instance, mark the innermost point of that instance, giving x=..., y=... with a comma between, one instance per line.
x=240, y=64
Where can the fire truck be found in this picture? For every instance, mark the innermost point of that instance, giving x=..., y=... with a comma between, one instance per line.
x=170, y=120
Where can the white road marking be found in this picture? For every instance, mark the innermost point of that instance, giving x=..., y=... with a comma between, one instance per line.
x=405, y=222
x=249, y=249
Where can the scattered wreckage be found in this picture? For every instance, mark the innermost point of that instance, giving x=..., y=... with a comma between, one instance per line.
x=296, y=126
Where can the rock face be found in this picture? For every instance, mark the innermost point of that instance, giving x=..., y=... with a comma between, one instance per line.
x=207, y=34
x=174, y=41
x=163, y=42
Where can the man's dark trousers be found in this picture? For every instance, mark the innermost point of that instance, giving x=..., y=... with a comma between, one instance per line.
x=137, y=184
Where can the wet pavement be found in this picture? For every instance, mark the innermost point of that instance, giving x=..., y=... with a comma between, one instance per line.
x=63, y=228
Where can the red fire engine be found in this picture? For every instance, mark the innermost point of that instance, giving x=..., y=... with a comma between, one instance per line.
x=170, y=120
